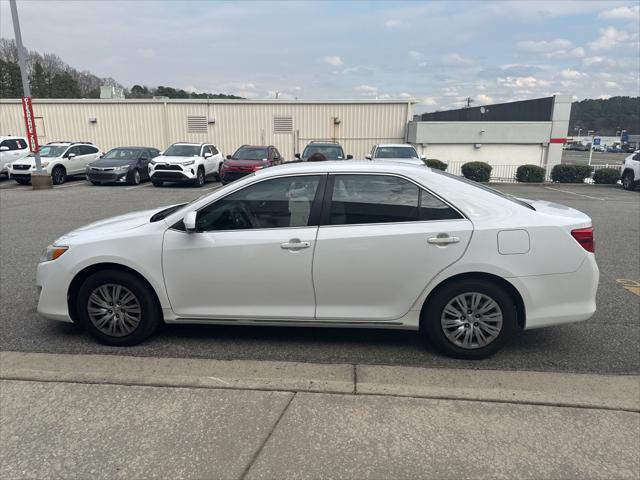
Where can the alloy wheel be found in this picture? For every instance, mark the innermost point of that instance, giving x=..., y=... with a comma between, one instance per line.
x=114, y=310
x=471, y=320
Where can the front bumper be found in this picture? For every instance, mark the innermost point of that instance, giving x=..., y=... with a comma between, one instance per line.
x=54, y=286
x=173, y=173
x=107, y=177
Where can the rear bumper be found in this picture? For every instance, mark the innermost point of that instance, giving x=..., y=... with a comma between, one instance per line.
x=561, y=298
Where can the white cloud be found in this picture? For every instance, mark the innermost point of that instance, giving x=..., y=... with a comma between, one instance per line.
x=569, y=74
x=415, y=54
x=622, y=13
x=191, y=89
x=543, y=46
x=332, y=60
x=483, y=99
x=593, y=60
x=456, y=59
x=604, y=97
x=146, y=52
x=611, y=84
x=429, y=102
x=367, y=90
x=522, y=82
x=577, y=52
x=393, y=23
x=609, y=38
x=450, y=91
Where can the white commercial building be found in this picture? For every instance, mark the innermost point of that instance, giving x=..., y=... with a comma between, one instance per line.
x=503, y=135
x=287, y=124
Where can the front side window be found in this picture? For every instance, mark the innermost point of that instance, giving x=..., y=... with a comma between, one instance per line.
x=205, y=149
x=636, y=157
x=177, y=150
x=396, y=152
x=358, y=199
x=11, y=144
x=276, y=203
x=75, y=150
x=50, y=151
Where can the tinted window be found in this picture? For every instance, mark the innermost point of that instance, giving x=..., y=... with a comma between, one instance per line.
x=636, y=157
x=432, y=208
x=13, y=144
x=206, y=149
x=75, y=150
x=87, y=150
x=396, y=152
x=51, y=151
x=332, y=152
x=21, y=144
x=250, y=153
x=277, y=203
x=373, y=199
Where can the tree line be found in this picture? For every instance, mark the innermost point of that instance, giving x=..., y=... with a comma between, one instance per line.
x=605, y=116
x=51, y=77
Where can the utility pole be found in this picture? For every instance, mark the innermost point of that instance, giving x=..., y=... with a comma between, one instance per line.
x=26, y=100
x=469, y=101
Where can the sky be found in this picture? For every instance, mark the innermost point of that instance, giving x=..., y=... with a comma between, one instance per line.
x=438, y=53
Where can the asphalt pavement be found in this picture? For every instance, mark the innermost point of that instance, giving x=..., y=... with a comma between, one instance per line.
x=607, y=343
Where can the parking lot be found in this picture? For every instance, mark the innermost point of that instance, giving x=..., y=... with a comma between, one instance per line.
x=608, y=343
x=598, y=158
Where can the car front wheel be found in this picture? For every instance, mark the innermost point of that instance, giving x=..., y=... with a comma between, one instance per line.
x=627, y=181
x=469, y=319
x=117, y=308
x=200, y=178
x=58, y=176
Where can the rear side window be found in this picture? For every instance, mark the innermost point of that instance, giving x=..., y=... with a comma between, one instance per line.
x=87, y=150
x=358, y=199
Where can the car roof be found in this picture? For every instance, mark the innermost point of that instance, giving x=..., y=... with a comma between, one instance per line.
x=395, y=145
x=190, y=143
x=135, y=148
x=325, y=144
x=5, y=137
x=346, y=166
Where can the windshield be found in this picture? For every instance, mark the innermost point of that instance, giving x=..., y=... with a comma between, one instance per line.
x=396, y=152
x=485, y=188
x=182, y=151
x=248, y=153
x=122, y=153
x=49, y=151
x=332, y=152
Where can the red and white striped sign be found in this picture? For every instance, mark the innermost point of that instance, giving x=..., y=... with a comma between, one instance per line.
x=30, y=124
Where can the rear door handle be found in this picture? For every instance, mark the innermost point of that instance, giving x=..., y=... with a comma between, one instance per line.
x=443, y=240
x=295, y=244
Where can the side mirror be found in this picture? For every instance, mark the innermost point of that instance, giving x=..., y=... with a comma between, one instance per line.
x=349, y=157
x=423, y=158
x=297, y=155
x=160, y=153
x=228, y=157
x=71, y=155
x=4, y=148
x=208, y=155
x=368, y=157
x=189, y=221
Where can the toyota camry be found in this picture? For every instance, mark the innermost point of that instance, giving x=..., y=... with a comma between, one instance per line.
x=333, y=244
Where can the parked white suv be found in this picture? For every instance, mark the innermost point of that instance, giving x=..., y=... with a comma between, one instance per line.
x=396, y=152
x=12, y=149
x=186, y=162
x=630, y=171
x=59, y=159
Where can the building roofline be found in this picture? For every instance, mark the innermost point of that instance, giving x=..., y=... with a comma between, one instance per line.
x=213, y=101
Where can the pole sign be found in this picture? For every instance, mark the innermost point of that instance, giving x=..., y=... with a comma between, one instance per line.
x=30, y=124
x=596, y=141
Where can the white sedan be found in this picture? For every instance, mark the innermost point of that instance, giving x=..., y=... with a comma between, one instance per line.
x=349, y=244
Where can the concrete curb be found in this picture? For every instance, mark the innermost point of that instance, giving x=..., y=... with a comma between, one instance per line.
x=535, y=388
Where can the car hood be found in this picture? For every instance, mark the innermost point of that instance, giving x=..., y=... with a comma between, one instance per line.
x=112, y=162
x=30, y=161
x=108, y=226
x=173, y=160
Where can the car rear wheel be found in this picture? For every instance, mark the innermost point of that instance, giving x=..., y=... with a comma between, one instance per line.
x=135, y=177
x=627, y=181
x=117, y=308
x=469, y=319
x=58, y=175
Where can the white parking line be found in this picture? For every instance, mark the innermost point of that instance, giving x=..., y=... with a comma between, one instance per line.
x=139, y=186
x=574, y=193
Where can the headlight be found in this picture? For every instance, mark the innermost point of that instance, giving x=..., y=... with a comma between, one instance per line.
x=52, y=252
x=152, y=161
x=123, y=168
x=188, y=162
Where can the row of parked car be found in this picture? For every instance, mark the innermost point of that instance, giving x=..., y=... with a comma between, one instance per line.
x=181, y=162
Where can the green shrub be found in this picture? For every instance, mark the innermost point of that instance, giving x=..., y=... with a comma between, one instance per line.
x=606, y=176
x=570, y=173
x=437, y=164
x=530, y=174
x=477, y=171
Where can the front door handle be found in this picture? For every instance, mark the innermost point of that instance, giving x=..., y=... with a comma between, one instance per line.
x=443, y=239
x=295, y=244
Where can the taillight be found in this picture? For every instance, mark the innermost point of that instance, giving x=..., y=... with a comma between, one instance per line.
x=584, y=236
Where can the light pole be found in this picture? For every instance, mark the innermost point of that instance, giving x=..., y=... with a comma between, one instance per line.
x=26, y=102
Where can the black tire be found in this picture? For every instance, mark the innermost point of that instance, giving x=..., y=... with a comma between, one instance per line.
x=157, y=183
x=431, y=327
x=95, y=183
x=58, y=175
x=200, y=178
x=627, y=181
x=23, y=181
x=134, y=178
x=150, y=316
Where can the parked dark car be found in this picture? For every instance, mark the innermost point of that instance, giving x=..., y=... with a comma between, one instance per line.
x=614, y=149
x=331, y=150
x=247, y=159
x=128, y=165
x=579, y=147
